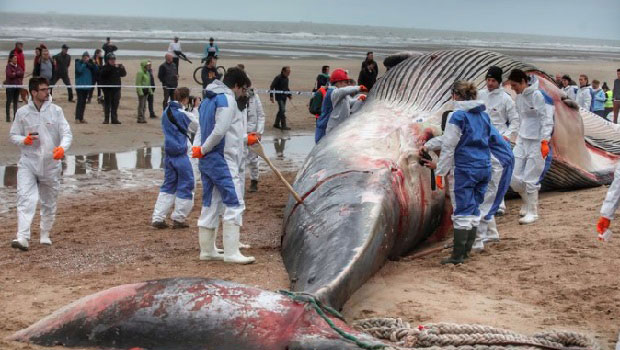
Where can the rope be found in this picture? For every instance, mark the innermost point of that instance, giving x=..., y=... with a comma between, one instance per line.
x=259, y=91
x=467, y=337
x=321, y=310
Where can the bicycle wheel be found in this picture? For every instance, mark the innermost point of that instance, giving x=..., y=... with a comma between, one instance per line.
x=198, y=78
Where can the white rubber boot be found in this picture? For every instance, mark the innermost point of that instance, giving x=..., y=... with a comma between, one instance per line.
x=45, y=238
x=532, y=209
x=481, y=235
x=20, y=243
x=231, y=245
x=523, y=210
x=492, y=233
x=206, y=239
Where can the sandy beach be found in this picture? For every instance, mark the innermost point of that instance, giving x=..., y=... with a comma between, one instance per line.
x=550, y=275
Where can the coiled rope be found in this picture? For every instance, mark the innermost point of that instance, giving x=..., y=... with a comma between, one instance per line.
x=468, y=337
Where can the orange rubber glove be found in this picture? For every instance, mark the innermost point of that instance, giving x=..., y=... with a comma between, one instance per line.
x=602, y=225
x=362, y=98
x=196, y=152
x=28, y=140
x=59, y=153
x=363, y=88
x=439, y=182
x=252, y=138
x=544, y=148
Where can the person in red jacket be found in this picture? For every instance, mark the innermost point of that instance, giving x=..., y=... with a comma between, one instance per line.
x=14, y=76
x=18, y=51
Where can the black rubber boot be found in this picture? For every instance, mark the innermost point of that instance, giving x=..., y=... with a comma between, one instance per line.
x=458, y=250
x=253, y=186
x=471, y=238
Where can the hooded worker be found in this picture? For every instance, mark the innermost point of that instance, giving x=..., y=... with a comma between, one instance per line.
x=177, y=189
x=501, y=110
x=219, y=143
x=43, y=135
x=255, y=124
x=532, y=149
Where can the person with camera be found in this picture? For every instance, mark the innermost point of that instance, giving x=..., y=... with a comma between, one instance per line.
x=85, y=73
x=177, y=189
x=43, y=135
x=111, y=74
x=168, y=77
x=209, y=73
x=143, y=79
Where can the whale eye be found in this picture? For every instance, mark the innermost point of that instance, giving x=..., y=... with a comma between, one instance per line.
x=311, y=279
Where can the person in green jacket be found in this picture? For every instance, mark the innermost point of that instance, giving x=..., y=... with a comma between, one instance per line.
x=143, y=79
x=609, y=102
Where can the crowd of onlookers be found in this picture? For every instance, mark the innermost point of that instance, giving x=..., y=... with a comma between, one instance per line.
x=594, y=97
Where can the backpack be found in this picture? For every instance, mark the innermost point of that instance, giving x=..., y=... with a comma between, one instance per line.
x=316, y=102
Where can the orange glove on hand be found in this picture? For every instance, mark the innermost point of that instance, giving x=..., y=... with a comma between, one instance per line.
x=252, y=138
x=28, y=140
x=196, y=152
x=439, y=182
x=544, y=148
x=59, y=153
x=602, y=225
x=363, y=88
x=362, y=98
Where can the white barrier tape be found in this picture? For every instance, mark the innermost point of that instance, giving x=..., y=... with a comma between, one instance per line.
x=260, y=91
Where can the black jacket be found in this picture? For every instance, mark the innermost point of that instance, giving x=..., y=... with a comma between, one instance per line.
x=368, y=74
x=111, y=75
x=208, y=75
x=280, y=82
x=167, y=74
x=62, y=63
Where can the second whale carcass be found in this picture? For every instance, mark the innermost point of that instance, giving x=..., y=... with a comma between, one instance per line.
x=367, y=199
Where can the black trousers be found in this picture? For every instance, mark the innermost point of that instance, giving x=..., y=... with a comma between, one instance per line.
x=281, y=116
x=175, y=60
x=12, y=96
x=66, y=81
x=149, y=101
x=90, y=92
x=111, y=99
x=168, y=95
x=80, y=106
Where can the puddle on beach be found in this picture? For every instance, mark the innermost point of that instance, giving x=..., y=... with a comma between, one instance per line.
x=142, y=167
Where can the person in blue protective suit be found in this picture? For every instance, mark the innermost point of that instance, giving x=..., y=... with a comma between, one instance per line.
x=43, y=135
x=466, y=159
x=220, y=145
x=177, y=189
x=532, y=149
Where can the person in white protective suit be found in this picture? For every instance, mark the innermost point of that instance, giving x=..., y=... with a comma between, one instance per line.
x=532, y=149
x=43, y=135
x=178, y=188
x=501, y=109
x=219, y=143
x=255, y=124
x=610, y=205
x=584, y=95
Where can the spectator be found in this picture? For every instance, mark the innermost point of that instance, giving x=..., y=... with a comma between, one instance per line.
x=609, y=100
x=558, y=81
x=368, y=74
x=14, y=76
x=98, y=61
x=209, y=73
x=322, y=79
x=18, y=51
x=63, y=61
x=280, y=83
x=46, y=67
x=149, y=98
x=569, y=87
x=143, y=79
x=616, y=94
x=85, y=72
x=598, y=99
x=37, y=56
x=169, y=78
x=584, y=95
x=111, y=74
x=175, y=49
x=108, y=48
x=211, y=49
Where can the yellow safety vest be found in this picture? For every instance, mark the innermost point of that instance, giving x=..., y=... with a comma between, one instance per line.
x=609, y=102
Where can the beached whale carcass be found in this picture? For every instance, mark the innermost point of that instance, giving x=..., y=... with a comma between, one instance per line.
x=189, y=314
x=366, y=198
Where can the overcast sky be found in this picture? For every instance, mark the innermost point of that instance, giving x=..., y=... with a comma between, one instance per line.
x=578, y=18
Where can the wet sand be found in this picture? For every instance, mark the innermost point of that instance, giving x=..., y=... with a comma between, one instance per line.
x=550, y=275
